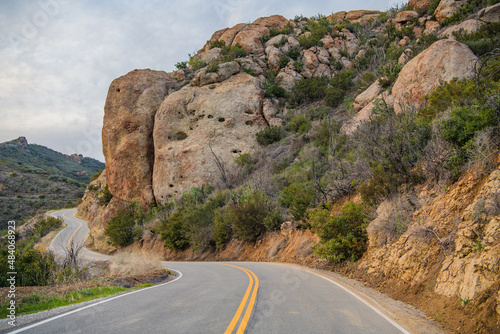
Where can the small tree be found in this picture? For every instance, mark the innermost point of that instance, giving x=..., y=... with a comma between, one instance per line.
x=120, y=229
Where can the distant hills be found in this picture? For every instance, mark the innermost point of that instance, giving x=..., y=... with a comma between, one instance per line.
x=35, y=178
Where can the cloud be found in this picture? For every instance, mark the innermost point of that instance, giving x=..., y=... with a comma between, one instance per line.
x=58, y=57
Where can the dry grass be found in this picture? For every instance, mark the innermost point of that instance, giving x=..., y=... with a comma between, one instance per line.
x=133, y=263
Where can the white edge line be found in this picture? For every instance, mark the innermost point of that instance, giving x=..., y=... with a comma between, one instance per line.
x=392, y=322
x=92, y=305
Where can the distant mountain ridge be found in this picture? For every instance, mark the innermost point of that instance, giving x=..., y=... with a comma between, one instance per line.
x=34, y=177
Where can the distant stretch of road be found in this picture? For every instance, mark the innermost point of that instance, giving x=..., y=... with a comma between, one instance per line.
x=74, y=234
x=221, y=298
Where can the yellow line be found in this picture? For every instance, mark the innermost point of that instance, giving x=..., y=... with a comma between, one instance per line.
x=248, y=313
x=250, y=306
x=70, y=238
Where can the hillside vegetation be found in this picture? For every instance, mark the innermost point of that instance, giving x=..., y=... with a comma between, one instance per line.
x=376, y=131
x=35, y=178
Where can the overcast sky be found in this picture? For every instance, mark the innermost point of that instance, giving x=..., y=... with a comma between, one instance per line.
x=58, y=57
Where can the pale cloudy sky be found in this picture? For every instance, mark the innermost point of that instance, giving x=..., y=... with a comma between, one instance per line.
x=58, y=57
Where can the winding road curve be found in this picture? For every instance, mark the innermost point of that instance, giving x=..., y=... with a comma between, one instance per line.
x=219, y=298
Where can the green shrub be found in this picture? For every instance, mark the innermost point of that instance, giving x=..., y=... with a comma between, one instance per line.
x=269, y=135
x=213, y=68
x=318, y=31
x=235, y=51
x=105, y=196
x=389, y=73
x=35, y=267
x=342, y=237
x=217, y=44
x=297, y=198
x=273, y=220
x=287, y=30
x=284, y=60
x=299, y=124
x=245, y=161
x=46, y=225
x=340, y=85
x=222, y=229
x=485, y=40
x=271, y=87
x=196, y=63
x=247, y=216
x=392, y=145
x=294, y=53
x=299, y=66
x=120, y=229
x=174, y=234
x=250, y=71
x=95, y=176
x=309, y=90
x=463, y=124
x=182, y=65
x=455, y=93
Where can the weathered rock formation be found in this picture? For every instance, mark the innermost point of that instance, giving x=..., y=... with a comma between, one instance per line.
x=452, y=238
x=441, y=62
x=447, y=8
x=127, y=133
x=193, y=122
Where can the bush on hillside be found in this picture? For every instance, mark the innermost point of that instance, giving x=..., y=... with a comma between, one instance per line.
x=342, y=237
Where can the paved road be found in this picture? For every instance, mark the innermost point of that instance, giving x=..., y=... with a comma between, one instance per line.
x=225, y=298
x=74, y=234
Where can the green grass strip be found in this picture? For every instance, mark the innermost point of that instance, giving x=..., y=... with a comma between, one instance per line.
x=39, y=302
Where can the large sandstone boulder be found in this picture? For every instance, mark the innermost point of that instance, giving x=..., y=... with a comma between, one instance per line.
x=367, y=96
x=361, y=16
x=447, y=8
x=407, y=16
x=224, y=71
x=442, y=61
x=338, y=16
x=272, y=22
x=490, y=14
x=419, y=4
x=310, y=60
x=127, y=133
x=225, y=116
x=467, y=26
x=229, y=34
x=250, y=38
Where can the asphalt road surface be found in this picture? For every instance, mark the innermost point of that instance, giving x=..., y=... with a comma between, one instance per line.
x=221, y=298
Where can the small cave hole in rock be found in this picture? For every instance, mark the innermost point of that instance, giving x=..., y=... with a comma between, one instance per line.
x=221, y=119
x=118, y=90
x=181, y=176
x=210, y=116
x=171, y=185
x=249, y=123
x=180, y=136
x=236, y=151
x=249, y=112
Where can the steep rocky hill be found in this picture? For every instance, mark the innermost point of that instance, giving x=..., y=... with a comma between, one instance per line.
x=375, y=133
x=33, y=177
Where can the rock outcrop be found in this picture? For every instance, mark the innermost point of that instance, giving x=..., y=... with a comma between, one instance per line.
x=127, y=133
x=460, y=226
x=196, y=125
x=489, y=14
x=441, y=62
x=447, y=8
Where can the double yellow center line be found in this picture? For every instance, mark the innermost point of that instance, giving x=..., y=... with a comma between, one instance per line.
x=71, y=238
x=251, y=293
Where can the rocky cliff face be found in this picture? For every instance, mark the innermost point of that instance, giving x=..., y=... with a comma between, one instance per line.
x=165, y=133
